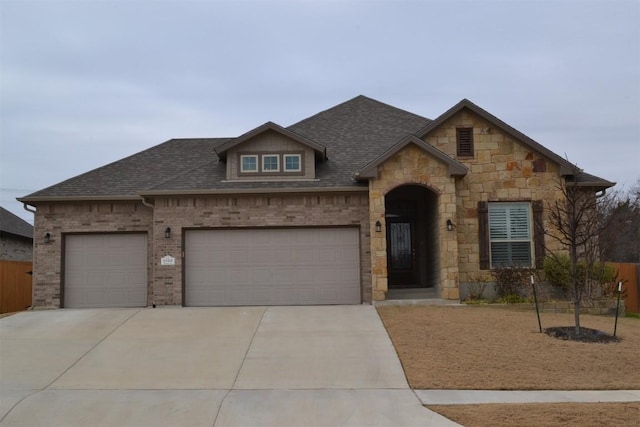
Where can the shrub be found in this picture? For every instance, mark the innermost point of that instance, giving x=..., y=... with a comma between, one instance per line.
x=512, y=281
x=600, y=281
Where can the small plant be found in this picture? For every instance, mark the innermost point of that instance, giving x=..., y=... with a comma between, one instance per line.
x=512, y=280
x=477, y=289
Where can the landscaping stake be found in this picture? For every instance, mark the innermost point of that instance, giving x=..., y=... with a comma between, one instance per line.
x=535, y=299
x=615, y=327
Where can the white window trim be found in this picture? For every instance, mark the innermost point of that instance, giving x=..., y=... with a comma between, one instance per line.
x=529, y=240
x=284, y=163
x=246, y=156
x=277, y=157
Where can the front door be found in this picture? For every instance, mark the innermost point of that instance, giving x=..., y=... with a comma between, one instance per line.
x=401, y=249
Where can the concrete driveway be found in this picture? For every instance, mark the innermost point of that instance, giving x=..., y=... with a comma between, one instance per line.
x=245, y=366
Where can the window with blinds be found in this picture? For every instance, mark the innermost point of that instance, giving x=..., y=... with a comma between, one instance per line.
x=464, y=140
x=510, y=234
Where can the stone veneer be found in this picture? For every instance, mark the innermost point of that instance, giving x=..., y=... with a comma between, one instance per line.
x=502, y=169
x=412, y=166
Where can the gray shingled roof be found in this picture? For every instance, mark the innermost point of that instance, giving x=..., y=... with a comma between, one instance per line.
x=10, y=223
x=355, y=133
x=131, y=175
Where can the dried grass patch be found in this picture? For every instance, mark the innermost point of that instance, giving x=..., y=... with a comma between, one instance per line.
x=496, y=349
x=549, y=414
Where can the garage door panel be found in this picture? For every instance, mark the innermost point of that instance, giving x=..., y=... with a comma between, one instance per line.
x=105, y=270
x=272, y=266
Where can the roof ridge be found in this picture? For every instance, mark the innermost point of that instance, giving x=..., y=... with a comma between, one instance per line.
x=358, y=97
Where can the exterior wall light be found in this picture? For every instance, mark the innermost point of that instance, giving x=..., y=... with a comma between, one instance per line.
x=167, y=233
x=378, y=227
x=47, y=238
x=449, y=225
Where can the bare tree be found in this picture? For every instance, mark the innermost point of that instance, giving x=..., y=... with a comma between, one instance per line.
x=620, y=236
x=575, y=224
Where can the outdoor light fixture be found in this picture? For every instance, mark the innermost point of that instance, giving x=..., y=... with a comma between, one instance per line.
x=449, y=225
x=47, y=238
x=167, y=233
x=378, y=227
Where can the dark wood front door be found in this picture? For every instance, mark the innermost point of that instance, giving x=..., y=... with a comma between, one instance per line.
x=401, y=250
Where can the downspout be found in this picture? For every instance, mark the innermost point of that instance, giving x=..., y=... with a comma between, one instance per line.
x=147, y=204
x=152, y=206
x=26, y=208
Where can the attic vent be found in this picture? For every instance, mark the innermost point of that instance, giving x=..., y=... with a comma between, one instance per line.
x=464, y=140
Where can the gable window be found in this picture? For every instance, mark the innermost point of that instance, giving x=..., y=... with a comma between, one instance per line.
x=270, y=163
x=464, y=142
x=292, y=163
x=510, y=234
x=248, y=163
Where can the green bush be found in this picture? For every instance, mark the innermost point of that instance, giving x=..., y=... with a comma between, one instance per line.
x=601, y=282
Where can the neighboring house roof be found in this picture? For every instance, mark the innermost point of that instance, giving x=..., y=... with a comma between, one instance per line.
x=352, y=137
x=371, y=170
x=221, y=150
x=10, y=223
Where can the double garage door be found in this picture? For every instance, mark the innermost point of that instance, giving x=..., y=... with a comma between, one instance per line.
x=288, y=266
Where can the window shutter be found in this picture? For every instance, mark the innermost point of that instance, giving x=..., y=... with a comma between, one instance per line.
x=538, y=232
x=464, y=139
x=483, y=234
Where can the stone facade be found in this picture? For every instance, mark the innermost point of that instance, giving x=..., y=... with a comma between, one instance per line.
x=412, y=166
x=502, y=169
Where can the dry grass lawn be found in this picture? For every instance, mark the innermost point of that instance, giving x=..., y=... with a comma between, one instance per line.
x=488, y=348
x=553, y=414
x=475, y=347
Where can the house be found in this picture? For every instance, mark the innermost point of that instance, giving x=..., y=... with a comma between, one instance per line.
x=16, y=237
x=339, y=208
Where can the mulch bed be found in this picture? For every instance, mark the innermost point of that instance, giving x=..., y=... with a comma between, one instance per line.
x=587, y=335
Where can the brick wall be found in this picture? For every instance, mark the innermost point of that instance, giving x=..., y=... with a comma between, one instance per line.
x=60, y=218
x=15, y=248
x=276, y=210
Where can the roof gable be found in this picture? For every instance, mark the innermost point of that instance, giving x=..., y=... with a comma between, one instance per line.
x=222, y=150
x=565, y=166
x=371, y=170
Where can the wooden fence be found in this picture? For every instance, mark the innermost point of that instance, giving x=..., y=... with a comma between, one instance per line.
x=628, y=274
x=15, y=286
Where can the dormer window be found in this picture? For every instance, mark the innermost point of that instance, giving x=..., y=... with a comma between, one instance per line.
x=270, y=163
x=249, y=163
x=292, y=163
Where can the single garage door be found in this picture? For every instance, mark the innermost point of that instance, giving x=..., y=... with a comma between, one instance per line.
x=105, y=270
x=292, y=266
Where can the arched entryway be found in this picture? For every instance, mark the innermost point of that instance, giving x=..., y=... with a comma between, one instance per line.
x=411, y=216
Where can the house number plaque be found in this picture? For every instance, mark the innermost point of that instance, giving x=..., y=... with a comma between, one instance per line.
x=167, y=260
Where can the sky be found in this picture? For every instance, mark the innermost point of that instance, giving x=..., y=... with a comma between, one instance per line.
x=85, y=83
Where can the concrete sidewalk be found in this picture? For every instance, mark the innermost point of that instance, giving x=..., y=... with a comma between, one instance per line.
x=275, y=366
x=472, y=397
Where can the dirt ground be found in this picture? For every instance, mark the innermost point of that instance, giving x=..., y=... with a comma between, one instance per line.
x=476, y=347
x=553, y=414
x=484, y=348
